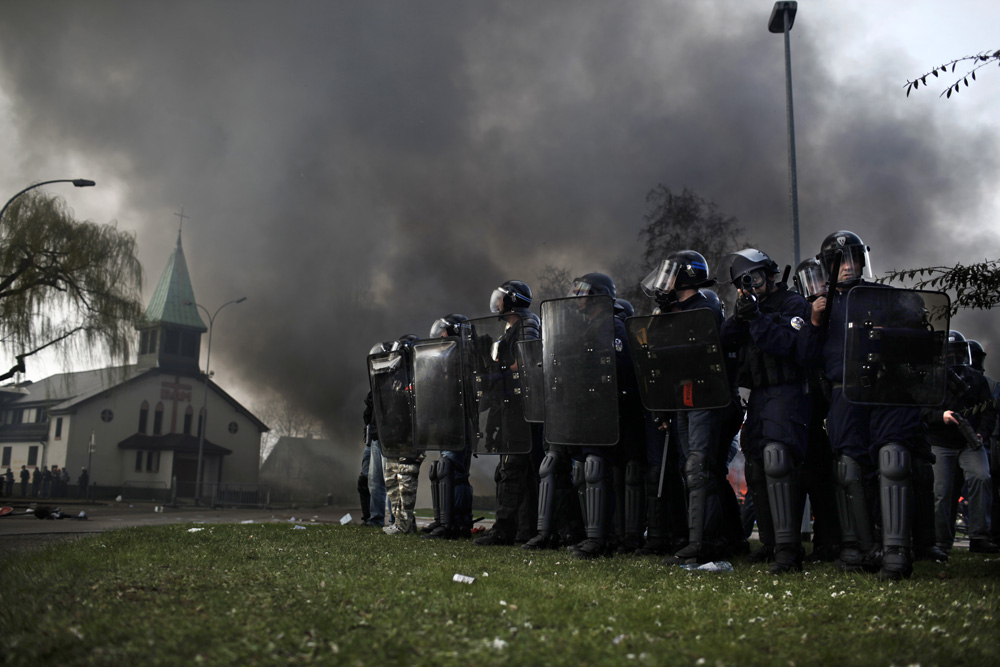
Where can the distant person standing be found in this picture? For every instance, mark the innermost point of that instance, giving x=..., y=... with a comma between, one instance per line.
x=82, y=482
x=9, y=483
x=46, y=482
x=25, y=478
x=36, y=482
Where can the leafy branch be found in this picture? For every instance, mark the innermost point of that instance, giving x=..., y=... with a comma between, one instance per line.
x=980, y=60
x=976, y=286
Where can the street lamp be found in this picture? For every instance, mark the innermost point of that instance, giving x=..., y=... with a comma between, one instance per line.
x=782, y=18
x=78, y=182
x=204, y=406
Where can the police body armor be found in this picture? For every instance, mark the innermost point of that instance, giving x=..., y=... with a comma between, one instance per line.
x=581, y=384
x=894, y=353
x=679, y=361
x=498, y=420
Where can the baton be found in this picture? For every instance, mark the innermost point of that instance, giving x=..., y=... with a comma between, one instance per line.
x=663, y=462
x=834, y=275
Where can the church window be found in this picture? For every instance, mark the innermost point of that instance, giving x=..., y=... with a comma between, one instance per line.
x=6, y=456
x=41, y=416
x=188, y=416
x=152, y=462
x=138, y=461
x=143, y=417
x=33, y=455
x=158, y=419
x=58, y=427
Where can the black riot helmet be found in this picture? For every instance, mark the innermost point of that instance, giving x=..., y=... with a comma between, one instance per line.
x=753, y=264
x=590, y=284
x=683, y=269
x=714, y=298
x=379, y=348
x=511, y=295
x=811, y=278
x=958, y=353
x=623, y=309
x=978, y=355
x=851, y=248
x=449, y=325
x=404, y=341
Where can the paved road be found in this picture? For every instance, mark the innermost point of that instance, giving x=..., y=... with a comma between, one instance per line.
x=22, y=530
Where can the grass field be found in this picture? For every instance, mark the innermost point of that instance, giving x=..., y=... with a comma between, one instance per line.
x=274, y=594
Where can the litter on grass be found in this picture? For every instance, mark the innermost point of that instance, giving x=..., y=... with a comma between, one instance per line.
x=720, y=566
x=462, y=579
x=346, y=519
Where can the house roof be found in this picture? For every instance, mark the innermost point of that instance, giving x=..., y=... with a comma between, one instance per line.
x=172, y=442
x=65, y=392
x=173, y=301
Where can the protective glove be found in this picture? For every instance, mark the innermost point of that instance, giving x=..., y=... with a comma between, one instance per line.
x=746, y=307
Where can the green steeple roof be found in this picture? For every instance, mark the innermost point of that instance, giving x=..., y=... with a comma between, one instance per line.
x=170, y=301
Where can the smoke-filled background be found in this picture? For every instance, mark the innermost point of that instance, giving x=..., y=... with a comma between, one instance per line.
x=358, y=169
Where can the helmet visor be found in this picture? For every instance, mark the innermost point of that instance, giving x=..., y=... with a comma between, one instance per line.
x=496, y=300
x=440, y=328
x=959, y=353
x=811, y=281
x=661, y=279
x=854, y=263
x=581, y=288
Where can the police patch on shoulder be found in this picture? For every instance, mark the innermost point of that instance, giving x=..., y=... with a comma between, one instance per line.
x=618, y=344
x=797, y=322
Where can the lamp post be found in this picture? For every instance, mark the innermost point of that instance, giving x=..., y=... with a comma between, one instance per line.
x=782, y=18
x=204, y=406
x=78, y=182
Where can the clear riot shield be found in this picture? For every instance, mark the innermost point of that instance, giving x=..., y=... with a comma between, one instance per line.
x=439, y=407
x=578, y=363
x=390, y=374
x=529, y=364
x=679, y=361
x=498, y=418
x=894, y=353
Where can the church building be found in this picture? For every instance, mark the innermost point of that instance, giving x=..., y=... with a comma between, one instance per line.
x=138, y=426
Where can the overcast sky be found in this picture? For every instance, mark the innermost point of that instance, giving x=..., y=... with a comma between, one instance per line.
x=411, y=156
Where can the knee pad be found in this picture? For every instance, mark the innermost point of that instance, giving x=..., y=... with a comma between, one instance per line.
x=595, y=469
x=577, y=475
x=777, y=460
x=894, y=462
x=634, y=473
x=695, y=470
x=848, y=471
x=444, y=468
x=549, y=464
x=432, y=472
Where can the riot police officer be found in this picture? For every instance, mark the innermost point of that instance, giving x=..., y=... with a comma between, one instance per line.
x=598, y=462
x=676, y=284
x=957, y=431
x=773, y=336
x=451, y=492
x=872, y=443
x=515, y=475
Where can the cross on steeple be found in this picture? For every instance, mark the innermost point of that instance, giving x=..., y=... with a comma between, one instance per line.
x=181, y=216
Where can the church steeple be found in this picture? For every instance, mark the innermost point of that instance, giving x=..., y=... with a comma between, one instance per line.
x=170, y=331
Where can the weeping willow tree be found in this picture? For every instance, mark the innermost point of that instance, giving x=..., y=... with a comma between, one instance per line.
x=69, y=285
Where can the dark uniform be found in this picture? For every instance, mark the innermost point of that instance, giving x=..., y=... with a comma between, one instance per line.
x=774, y=338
